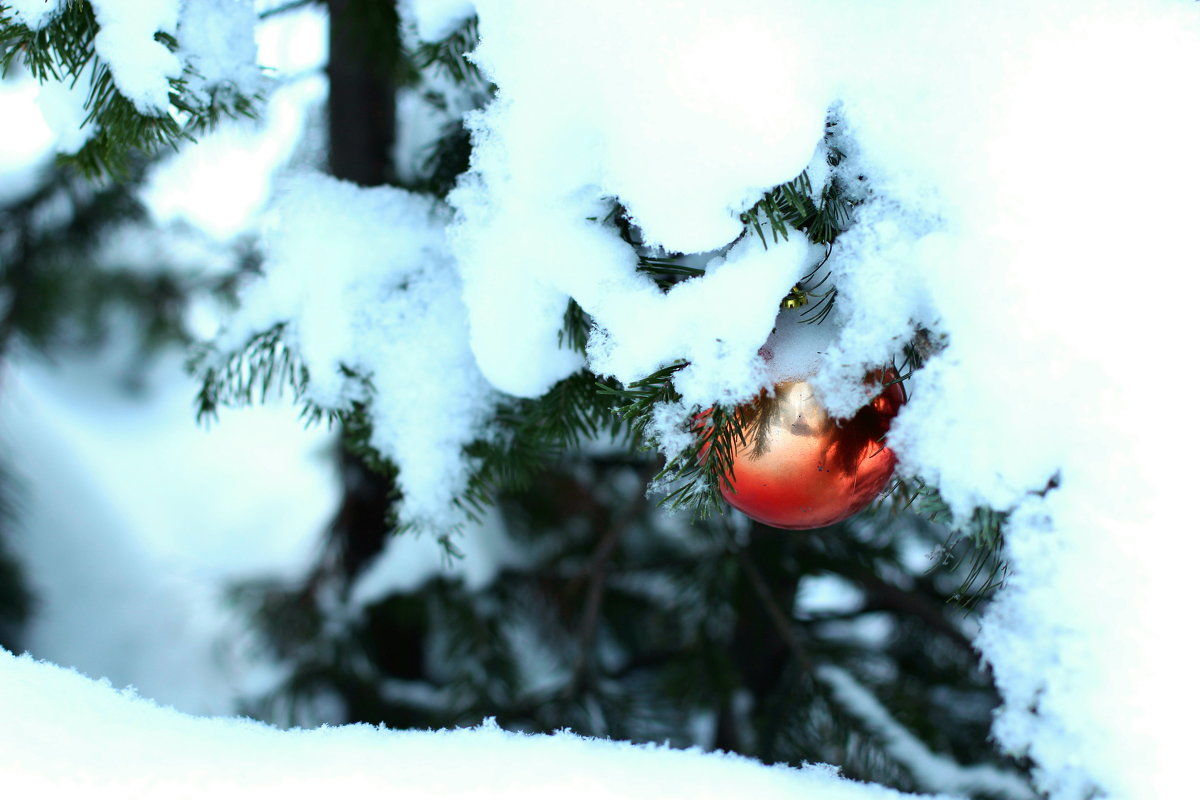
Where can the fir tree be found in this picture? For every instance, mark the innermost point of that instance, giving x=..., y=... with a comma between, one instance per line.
x=650, y=619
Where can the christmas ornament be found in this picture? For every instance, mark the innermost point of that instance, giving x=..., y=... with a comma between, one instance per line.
x=800, y=468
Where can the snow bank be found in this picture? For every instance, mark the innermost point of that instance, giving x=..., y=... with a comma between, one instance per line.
x=62, y=732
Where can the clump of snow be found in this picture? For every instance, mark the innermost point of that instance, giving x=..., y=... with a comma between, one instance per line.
x=194, y=184
x=83, y=736
x=798, y=346
x=26, y=146
x=216, y=39
x=663, y=105
x=434, y=20
x=629, y=110
x=718, y=322
x=141, y=65
x=515, y=314
x=34, y=14
x=62, y=106
x=363, y=279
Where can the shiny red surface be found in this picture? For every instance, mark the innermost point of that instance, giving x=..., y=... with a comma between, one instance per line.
x=814, y=470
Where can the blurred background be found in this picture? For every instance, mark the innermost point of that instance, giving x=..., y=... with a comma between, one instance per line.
x=123, y=518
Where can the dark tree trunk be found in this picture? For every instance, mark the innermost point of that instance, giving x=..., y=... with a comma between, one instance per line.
x=364, y=60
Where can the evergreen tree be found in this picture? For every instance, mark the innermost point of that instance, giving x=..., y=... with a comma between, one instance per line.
x=656, y=618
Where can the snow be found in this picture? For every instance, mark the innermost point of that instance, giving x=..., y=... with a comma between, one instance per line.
x=217, y=40
x=365, y=281
x=81, y=735
x=141, y=65
x=194, y=186
x=25, y=148
x=130, y=574
x=434, y=20
x=34, y=14
x=1027, y=200
x=1026, y=174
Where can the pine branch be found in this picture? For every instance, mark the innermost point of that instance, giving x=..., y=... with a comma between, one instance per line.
x=935, y=772
x=692, y=478
x=65, y=50
x=577, y=323
x=449, y=55
x=264, y=367
x=666, y=271
x=447, y=158
x=285, y=7
x=792, y=207
x=529, y=434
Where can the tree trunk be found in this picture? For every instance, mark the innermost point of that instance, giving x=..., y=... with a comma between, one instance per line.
x=364, y=53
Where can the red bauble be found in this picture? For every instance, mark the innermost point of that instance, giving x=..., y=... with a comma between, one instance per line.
x=800, y=468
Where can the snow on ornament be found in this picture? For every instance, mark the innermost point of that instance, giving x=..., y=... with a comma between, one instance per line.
x=798, y=467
